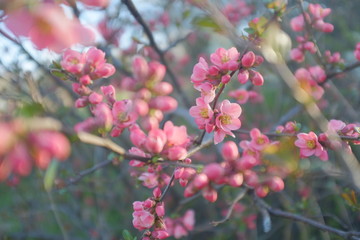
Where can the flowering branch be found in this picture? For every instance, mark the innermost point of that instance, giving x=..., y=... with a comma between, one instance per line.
x=130, y=5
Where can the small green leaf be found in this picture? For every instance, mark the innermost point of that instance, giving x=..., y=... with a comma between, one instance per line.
x=127, y=235
x=50, y=175
x=59, y=74
x=31, y=110
x=206, y=22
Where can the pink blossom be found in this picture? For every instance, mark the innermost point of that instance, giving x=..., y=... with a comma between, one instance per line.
x=177, y=153
x=46, y=25
x=155, y=141
x=226, y=59
x=200, y=71
x=227, y=120
x=309, y=145
x=202, y=113
x=297, y=23
x=149, y=180
x=297, y=55
x=72, y=61
x=143, y=219
x=207, y=91
x=123, y=113
x=258, y=140
x=163, y=103
x=241, y=95
x=175, y=135
x=243, y=76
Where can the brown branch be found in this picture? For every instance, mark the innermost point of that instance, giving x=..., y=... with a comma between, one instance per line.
x=134, y=12
x=292, y=216
x=241, y=194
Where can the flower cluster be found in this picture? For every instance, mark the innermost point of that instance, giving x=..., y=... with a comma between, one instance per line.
x=309, y=79
x=314, y=20
x=236, y=11
x=235, y=170
x=221, y=118
x=179, y=227
x=149, y=92
x=171, y=143
x=22, y=147
x=148, y=214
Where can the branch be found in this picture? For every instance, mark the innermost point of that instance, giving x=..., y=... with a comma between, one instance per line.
x=241, y=194
x=134, y=12
x=292, y=216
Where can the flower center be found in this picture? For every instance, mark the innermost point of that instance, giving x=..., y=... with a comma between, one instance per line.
x=225, y=119
x=260, y=140
x=311, y=144
x=204, y=113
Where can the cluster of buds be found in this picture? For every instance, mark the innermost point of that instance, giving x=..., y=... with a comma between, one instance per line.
x=171, y=143
x=337, y=129
x=21, y=148
x=150, y=214
x=150, y=92
x=179, y=227
x=314, y=20
x=310, y=80
x=236, y=170
x=221, y=118
x=236, y=11
x=289, y=128
x=334, y=58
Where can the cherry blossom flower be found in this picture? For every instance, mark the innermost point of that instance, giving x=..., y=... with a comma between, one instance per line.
x=309, y=145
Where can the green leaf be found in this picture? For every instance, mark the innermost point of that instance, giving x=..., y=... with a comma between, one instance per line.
x=31, y=109
x=127, y=235
x=206, y=22
x=59, y=74
x=50, y=175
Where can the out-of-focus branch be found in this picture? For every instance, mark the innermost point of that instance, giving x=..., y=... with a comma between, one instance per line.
x=300, y=218
x=134, y=12
x=107, y=143
x=58, y=81
x=240, y=195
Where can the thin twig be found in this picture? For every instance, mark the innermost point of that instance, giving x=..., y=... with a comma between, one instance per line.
x=241, y=194
x=299, y=218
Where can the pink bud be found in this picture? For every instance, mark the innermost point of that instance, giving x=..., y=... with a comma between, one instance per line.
x=140, y=68
x=236, y=180
x=200, y=181
x=257, y=79
x=243, y=76
x=157, y=71
x=148, y=203
x=261, y=191
x=297, y=55
x=276, y=184
x=163, y=88
x=214, y=171
x=157, y=192
x=137, y=206
x=248, y=59
x=81, y=89
x=141, y=107
x=230, y=151
x=160, y=234
x=251, y=178
x=137, y=136
x=247, y=162
x=85, y=80
x=210, y=194
x=20, y=159
x=160, y=210
x=225, y=79
x=258, y=60
x=109, y=93
x=189, y=191
x=164, y=103
x=82, y=102
x=95, y=98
